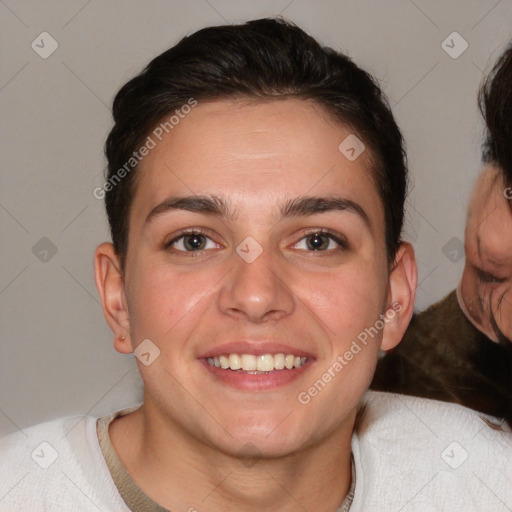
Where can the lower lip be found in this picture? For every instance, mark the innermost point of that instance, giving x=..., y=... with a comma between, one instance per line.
x=256, y=381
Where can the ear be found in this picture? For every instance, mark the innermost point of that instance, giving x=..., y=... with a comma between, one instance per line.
x=110, y=284
x=403, y=280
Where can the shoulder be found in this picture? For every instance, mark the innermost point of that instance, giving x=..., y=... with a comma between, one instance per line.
x=421, y=454
x=40, y=442
x=438, y=318
x=448, y=304
x=57, y=465
x=383, y=408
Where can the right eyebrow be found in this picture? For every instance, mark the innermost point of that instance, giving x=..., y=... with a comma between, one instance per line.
x=212, y=205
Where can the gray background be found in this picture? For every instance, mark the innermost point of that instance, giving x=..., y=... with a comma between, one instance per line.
x=57, y=357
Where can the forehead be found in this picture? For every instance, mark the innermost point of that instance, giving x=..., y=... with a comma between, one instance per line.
x=489, y=226
x=256, y=153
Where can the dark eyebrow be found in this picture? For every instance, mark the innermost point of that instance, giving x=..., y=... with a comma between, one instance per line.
x=310, y=205
x=297, y=207
x=211, y=205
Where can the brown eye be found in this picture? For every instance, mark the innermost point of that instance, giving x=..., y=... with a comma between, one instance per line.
x=321, y=241
x=192, y=242
x=317, y=242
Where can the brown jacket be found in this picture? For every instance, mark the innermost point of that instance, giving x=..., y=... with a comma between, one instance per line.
x=444, y=357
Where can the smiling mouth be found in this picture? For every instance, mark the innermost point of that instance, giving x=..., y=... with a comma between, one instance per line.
x=257, y=364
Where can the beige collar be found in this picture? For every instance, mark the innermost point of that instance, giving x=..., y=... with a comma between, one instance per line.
x=134, y=496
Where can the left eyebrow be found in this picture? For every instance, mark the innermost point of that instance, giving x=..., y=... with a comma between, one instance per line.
x=298, y=207
x=311, y=205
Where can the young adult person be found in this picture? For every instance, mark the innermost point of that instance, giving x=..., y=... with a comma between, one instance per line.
x=256, y=269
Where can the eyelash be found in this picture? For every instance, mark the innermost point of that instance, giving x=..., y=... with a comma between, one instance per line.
x=487, y=278
x=336, y=237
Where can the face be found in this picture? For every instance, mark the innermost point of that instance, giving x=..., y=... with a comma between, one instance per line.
x=487, y=276
x=256, y=259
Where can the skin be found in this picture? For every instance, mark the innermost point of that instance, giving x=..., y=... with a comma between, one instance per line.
x=487, y=277
x=186, y=446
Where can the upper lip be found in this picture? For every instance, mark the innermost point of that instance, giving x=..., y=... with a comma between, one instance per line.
x=257, y=347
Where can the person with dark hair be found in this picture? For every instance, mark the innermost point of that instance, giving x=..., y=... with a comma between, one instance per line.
x=460, y=349
x=495, y=102
x=255, y=194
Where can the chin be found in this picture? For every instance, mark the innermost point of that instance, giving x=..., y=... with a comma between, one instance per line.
x=267, y=437
x=271, y=447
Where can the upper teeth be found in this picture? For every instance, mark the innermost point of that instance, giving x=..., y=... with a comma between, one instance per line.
x=262, y=363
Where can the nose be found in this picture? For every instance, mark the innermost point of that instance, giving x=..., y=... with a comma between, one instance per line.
x=257, y=291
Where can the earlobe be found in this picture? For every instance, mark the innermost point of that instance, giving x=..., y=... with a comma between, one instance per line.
x=110, y=284
x=123, y=345
x=403, y=280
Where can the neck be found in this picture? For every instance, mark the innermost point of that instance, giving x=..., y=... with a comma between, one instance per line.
x=181, y=472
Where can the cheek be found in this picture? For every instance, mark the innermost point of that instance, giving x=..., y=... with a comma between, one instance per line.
x=502, y=307
x=473, y=293
x=484, y=297
x=347, y=301
x=160, y=298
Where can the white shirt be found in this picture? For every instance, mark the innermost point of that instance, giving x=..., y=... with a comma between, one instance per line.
x=411, y=455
